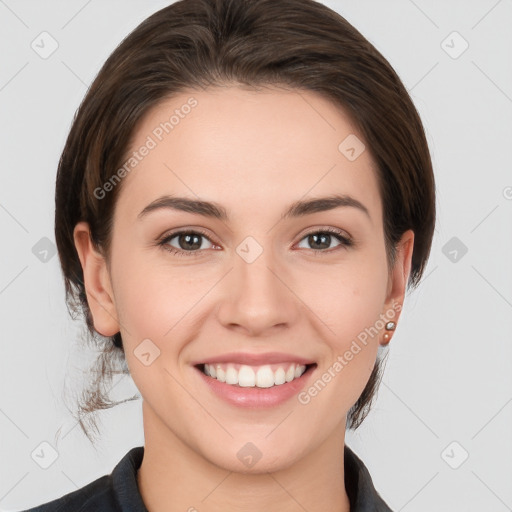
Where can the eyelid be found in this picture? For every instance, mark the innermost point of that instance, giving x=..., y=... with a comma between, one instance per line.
x=345, y=239
x=186, y=229
x=201, y=231
x=326, y=229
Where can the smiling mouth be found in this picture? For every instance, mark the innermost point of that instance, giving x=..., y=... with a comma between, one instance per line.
x=263, y=376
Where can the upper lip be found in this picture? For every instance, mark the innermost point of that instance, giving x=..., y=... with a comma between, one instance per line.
x=255, y=359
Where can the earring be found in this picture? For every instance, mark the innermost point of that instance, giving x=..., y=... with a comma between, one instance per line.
x=390, y=326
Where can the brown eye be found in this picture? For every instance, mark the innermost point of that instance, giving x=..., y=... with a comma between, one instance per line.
x=322, y=239
x=188, y=243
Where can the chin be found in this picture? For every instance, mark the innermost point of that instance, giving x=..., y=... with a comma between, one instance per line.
x=253, y=458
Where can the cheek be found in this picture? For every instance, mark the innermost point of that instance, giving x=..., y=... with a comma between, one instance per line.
x=349, y=303
x=347, y=298
x=150, y=296
x=153, y=303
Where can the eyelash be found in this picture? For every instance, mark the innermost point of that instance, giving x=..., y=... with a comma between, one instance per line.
x=338, y=234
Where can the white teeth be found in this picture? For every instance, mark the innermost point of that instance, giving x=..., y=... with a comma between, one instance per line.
x=265, y=377
x=221, y=374
x=246, y=377
x=250, y=377
x=231, y=375
x=279, y=376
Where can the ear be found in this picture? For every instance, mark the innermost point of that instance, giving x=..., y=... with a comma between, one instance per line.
x=398, y=278
x=98, y=286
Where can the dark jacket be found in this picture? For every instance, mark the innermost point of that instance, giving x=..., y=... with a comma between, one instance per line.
x=119, y=491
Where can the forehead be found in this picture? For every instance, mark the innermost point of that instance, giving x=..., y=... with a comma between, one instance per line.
x=247, y=149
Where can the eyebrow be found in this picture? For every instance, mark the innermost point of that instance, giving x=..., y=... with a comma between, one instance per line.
x=217, y=211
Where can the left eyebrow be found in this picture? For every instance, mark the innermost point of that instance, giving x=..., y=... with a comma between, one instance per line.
x=322, y=204
x=217, y=211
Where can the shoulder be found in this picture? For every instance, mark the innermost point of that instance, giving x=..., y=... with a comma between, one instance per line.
x=94, y=496
x=359, y=486
x=114, y=492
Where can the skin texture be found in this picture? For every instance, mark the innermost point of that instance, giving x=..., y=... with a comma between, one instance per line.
x=255, y=153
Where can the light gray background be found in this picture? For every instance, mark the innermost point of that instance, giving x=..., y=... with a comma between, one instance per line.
x=449, y=371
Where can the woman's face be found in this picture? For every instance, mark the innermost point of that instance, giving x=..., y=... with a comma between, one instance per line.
x=258, y=291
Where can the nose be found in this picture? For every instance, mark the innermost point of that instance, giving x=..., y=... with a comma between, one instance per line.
x=256, y=296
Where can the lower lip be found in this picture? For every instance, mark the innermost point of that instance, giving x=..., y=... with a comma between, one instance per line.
x=257, y=397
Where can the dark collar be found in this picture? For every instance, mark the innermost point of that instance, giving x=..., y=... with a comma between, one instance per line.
x=362, y=494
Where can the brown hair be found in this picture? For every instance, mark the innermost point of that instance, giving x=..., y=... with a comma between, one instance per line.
x=191, y=44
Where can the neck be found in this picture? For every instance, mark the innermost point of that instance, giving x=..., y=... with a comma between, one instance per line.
x=174, y=477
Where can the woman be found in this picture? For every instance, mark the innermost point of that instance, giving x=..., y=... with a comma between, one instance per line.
x=244, y=196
